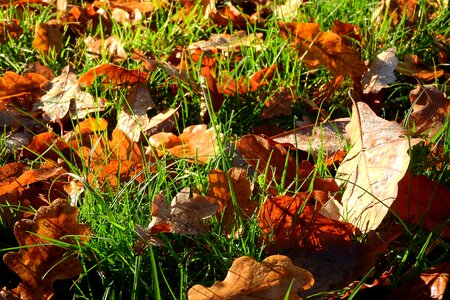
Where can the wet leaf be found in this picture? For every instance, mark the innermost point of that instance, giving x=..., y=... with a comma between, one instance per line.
x=41, y=262
x=273, y=278
x=371, y=169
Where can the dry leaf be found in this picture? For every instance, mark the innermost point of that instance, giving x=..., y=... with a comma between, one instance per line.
x=219, y=189
x=279, y=104
x=371, y=169
x=273, y=278
x=40, y=262
x=196, y=143
x=431, y=109
x=111, y=46
x=49, y=37
x=65, y=96
x=229, y=42
x=133, y=117
x=381, y=72
x=323, y=48
x=164, y=121
x=115, y=75
x=20, y=91
x=231, y=87
x=413, y=66
x=295, y=223
x=11, y=30
x=423, y=202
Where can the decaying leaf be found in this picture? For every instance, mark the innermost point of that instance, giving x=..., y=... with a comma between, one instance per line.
x=323, y=48
x=371, y=169
x=196, y=143
x=381, y=72
x=431, y=108
x=273, y=278
x=133, y=118
x=40, y=262
x=65, y=96
x=219, y=189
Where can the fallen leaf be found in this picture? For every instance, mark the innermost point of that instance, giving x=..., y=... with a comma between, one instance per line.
x=229, y=42
x=164, y=121
x=231, y=87
x=279, y=104
x=115, y=75
x=423, y=202
x=295, y=223
x=273, y=160
x=11, y=30
x=430, y=109
x=66, y=97
x=323, y=48
x=196, y=143
x=381, y=73
x=40, y=262
x=111, y=46
x=371, y=169
x=273, y=278
x=221, y=188
x=49, y=37
x=431, y=284
x=133, y=117
x=412, y=65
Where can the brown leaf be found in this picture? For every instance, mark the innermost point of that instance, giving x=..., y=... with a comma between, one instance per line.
x=133, y=117
x=11, y=30
x=115, y=75
x=273, y=278
x=66, y=97
x=412, y=65
x=184, y=215
x=196, y=143
x=231, y=87
x=323, y=48
x=219, y=189
x=49, y=37
x=431, y=284
x=381, y=72
x=279, y=104
x=273, y=159
x=294, y=222
x=40, y=262
x=431, y=109
x=229, y=42
x=111, y=46
x=371, y=169
x=423, y=202
x=164, y=121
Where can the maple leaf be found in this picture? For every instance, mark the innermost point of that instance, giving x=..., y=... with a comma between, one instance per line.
x=371, y=169
x=39, y=263
x=196, y=143
x=65, y=96
x=323, y=48
x=273, y=278
x=219, y=189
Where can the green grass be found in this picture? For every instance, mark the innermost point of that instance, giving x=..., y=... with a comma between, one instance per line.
x=111, y=268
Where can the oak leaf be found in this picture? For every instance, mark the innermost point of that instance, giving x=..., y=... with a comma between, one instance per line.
x=371, y=169
x=273, y=278
x=40, y=262
x=115, y=75
x=323, y=48
x=196, y=143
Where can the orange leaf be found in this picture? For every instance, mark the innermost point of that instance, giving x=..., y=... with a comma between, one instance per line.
x=114, y=75
x=49, y=37
x=273, y=278
x=292, y=222
x=232, y=87
x=324, y=48
x=9, y=30
x=15, y=88
x=196, y=143
x=423, y=201
x=39, y=263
